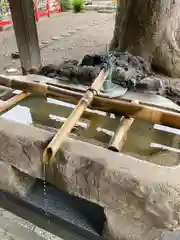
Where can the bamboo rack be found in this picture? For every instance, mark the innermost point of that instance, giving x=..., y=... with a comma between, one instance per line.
x=5, y=105
x=117, y=142
x=116, y=106
x=66, y=128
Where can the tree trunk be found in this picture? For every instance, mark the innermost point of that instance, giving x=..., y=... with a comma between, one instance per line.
x=148, y=28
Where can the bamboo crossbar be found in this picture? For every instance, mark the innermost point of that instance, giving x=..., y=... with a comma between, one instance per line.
x=116, y=106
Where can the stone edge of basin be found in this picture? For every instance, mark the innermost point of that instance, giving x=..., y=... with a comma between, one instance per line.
x=142, y=194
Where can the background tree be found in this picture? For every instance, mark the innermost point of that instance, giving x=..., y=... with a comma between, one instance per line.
x=149, y=28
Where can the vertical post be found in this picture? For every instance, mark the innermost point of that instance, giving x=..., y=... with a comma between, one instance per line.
x=48, y=8
x=26, y=34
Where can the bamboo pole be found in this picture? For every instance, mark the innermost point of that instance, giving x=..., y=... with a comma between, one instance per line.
x=66, y=128
x=4, y=105
x=117, y=141
x=117, y=106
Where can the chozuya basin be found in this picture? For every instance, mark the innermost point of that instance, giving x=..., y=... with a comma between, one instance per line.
x=145, y=141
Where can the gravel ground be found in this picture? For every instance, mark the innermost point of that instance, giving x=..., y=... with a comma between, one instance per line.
x=63, y=36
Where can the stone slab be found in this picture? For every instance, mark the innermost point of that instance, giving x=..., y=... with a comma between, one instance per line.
x=13, y=227
x=15, y=231
x=166, y=235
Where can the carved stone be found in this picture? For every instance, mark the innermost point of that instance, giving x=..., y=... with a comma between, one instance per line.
x=139, y=198
x=14, y=181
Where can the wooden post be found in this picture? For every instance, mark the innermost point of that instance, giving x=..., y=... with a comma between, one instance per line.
x=26, y=34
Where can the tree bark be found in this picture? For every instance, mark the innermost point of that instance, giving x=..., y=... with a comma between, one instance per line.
x=148, y=28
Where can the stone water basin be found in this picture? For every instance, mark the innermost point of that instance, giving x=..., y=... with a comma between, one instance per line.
x=145, y=141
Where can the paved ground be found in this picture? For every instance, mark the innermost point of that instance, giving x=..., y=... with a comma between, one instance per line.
x=77, y=35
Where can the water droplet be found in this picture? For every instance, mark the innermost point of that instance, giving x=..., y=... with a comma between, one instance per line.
x=45, y=194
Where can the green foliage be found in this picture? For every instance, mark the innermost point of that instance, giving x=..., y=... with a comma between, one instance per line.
x=4, y=4
x=65, y=5
x=78, y=5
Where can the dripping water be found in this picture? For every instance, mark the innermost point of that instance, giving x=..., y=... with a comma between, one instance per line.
x=45, y=192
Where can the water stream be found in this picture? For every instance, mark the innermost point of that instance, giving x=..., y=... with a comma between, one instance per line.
x=45, y=191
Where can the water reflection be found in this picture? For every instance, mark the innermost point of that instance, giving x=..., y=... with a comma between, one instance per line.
x=44, y=113
x=19, y=114
x=145, y=140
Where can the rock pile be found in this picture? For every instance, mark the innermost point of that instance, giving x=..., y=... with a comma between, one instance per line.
x=131, y=72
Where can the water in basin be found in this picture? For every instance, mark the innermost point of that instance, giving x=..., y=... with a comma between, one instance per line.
x=146, y=141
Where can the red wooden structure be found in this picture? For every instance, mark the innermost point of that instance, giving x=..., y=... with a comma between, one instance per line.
x=49, y=7
x=41, y=8
x=5, y=22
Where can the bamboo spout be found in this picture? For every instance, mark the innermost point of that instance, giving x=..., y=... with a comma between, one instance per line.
x=119, y=137
x=63, y=132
